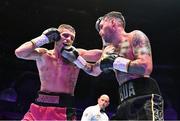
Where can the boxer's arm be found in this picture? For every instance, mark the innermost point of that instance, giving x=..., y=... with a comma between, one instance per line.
x=92, y=69
x=141, y=65
x=79, y=56
x=142, y=51
x=29, y=50
x=92, y=55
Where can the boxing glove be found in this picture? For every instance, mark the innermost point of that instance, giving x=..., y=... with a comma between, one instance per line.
x=52, y=34
x=107, y=62
x=97, y=23
x=70, y=53
x=48, y=36
x=113, y=62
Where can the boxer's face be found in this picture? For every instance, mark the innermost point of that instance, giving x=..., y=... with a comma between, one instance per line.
x=67, y=37
x=105, y=30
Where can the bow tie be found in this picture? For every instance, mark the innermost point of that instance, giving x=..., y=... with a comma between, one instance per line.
x=102, y=111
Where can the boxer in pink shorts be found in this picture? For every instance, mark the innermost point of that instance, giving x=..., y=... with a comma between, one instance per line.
x=57, y=75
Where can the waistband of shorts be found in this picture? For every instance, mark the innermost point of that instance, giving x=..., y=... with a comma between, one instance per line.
x=138, y=87
x=54, y=99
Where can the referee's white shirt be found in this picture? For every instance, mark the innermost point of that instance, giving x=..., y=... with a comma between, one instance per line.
x=92, y=113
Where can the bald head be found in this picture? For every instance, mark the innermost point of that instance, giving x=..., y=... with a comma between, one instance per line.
x=103, y=101
x=104, y=96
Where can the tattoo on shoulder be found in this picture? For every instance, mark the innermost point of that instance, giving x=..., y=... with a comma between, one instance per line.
x=141, y=43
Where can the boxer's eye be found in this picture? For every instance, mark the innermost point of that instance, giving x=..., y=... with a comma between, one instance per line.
x=67, y=35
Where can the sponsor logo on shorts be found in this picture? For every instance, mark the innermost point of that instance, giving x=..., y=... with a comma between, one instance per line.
x=126, y=91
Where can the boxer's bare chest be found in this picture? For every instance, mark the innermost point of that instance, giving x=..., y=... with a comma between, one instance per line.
x=123, y=49
x=51, y=63
x=63, y=74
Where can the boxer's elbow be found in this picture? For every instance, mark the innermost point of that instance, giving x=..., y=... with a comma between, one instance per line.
x=92, y=69
x=141, y=69
x=92, y=73
x=144, y=69
x=20, y=54
x=148, y=69
x=95, y=74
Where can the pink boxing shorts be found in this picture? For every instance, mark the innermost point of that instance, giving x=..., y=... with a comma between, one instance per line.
x=51, y=106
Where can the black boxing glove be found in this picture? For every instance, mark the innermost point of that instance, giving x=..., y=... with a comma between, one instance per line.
x=71, y=54
x=48, y=36
x=111, y=61
x=97, y=23
x=52, y=34
x=107, y=62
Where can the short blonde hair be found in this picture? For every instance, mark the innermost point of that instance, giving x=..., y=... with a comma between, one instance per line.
x=66, y=26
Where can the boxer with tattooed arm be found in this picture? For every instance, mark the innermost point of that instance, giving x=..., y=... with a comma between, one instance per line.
x=129, y=56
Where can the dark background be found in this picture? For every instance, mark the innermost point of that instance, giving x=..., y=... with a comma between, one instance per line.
x=22, y=20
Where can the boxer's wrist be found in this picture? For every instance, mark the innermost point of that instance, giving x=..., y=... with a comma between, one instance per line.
x=39, y=41
x=121, y=64
x=80, y=62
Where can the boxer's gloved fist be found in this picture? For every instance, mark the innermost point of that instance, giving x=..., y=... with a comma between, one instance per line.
x=97, y=23
x=48, y=36
x=52, y=34
x=112, y=61
x=70, y=53
x=107, y=62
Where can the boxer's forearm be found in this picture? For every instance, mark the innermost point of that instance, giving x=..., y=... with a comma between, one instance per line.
x=140, y=66
x=25, y=49
x=92, y=69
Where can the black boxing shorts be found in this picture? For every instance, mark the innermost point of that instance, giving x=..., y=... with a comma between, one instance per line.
x=140, y=99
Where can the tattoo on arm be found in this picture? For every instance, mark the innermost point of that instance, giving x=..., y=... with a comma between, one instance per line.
x=142, y=53
x=92, y=69
x=141, y=44
x=88, y=68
